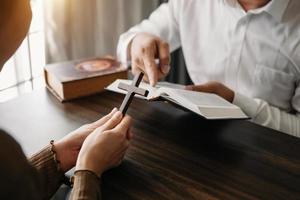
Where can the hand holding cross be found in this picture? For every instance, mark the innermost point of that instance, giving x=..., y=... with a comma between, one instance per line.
x=132, y=90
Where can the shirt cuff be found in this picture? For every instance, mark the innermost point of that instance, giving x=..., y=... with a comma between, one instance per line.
x=248, y=105
x=86, y=185
x=47, y=166
x=122, y=49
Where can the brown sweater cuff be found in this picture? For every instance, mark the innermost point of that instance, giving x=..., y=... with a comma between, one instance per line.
x=86, y=185
x=48, y=168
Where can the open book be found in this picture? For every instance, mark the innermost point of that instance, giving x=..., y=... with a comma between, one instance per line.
x=209, y=106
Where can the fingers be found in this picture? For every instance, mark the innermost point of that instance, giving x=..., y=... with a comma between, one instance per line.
x=104, y=119
x=144, y=48
x=189, y=87
x=124, y=125
x=145, y=78
x=112, y=122
x=151, y=68
x=137, y=67
x=215, y=88
x=208, y=88
x=164, y=57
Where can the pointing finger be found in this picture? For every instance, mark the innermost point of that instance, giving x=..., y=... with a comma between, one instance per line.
x=150, y=68
x=164, y=57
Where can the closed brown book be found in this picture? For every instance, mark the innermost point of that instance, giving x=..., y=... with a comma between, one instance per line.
x=74, y=79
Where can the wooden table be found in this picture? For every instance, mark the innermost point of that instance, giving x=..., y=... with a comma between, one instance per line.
x=174, y=154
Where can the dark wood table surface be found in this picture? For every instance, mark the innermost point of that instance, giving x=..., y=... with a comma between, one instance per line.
x=174, y=154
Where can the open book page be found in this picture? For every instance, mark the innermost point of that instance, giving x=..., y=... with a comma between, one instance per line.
x=199, y=99
x=208, y=105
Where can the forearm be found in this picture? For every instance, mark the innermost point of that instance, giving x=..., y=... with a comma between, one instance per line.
x=50, y=174
x=264, y=114
x=163, y=23
x=86, y=186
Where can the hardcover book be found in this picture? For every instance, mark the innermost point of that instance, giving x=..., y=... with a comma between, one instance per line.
x=74, y=79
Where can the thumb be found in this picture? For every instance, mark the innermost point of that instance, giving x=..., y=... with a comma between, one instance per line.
x=151, y=68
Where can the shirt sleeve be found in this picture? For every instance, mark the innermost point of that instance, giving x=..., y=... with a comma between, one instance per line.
x=50, y=175
x=163, y=22
x=20, y=179
x=86, y=186
x=264, y=114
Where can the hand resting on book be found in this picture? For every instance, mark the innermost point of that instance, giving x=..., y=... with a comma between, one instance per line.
x=215, y=88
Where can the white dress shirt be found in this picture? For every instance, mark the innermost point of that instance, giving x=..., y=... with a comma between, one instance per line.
x=255, y=53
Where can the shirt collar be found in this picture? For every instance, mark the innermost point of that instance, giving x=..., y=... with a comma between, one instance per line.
x=277, y=8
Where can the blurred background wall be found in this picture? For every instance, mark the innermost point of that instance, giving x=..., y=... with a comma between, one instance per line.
x=78, y=29
x=71, y=29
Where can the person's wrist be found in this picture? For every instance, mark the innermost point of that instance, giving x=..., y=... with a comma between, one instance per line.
x=87, y=164
x=59, y=148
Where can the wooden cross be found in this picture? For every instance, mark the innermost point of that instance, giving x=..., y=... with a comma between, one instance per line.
x=131, y=91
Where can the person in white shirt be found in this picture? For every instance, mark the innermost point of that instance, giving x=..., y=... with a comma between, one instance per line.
x=246, y=51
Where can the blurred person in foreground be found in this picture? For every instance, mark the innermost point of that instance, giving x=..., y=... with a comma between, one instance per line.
x=92, y=149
